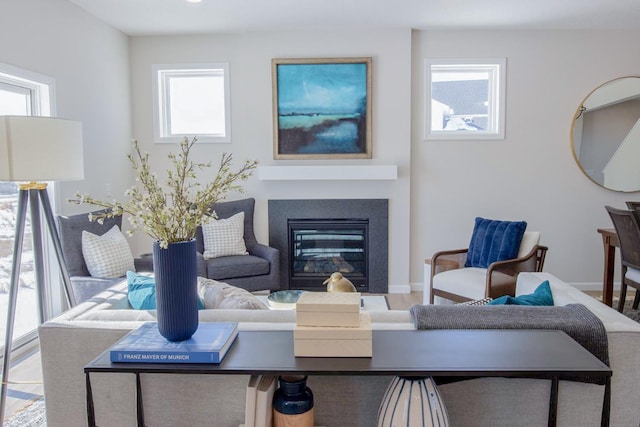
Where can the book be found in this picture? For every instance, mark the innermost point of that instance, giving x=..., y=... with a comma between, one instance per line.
x=264, y=400
x=250, y=402
x=209, y=344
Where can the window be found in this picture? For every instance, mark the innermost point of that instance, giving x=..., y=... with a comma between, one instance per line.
x=23, y=93
x=465, y=98
x=191, y=100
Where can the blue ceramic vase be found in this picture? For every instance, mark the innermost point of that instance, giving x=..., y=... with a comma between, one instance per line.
x=293, y=403
x=176, y=274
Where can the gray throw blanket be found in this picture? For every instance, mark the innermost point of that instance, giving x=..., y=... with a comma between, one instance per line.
x=574, y=319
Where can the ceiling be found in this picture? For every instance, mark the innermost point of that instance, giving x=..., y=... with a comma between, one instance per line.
x=155, y=17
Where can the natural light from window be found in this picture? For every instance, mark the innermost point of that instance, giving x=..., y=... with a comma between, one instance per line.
x=22, y=93
x=464, y=99
x=191, y=100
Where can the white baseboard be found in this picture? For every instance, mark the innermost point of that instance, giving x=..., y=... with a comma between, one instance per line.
x=592, y=286
x=417, y=287
x=400, y=289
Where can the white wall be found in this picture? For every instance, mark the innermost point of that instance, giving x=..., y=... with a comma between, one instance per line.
x=531, y=174
x=249, y=55
x=442, y=186
x=89, y=62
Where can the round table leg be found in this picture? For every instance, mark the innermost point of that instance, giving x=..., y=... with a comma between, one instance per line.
x=412, y=401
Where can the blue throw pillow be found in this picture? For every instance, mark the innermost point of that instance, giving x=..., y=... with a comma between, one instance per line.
x=142, y=292
x=493, y=241
x=541, y=296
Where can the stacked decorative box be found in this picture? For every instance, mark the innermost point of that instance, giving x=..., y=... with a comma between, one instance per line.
x=330, y=324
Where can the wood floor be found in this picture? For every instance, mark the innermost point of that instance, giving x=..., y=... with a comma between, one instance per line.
x=404, y=301
x=25, y=383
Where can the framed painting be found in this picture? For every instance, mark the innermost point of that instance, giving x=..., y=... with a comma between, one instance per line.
x=321, y=108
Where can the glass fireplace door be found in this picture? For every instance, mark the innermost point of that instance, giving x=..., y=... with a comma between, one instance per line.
x=321, y=247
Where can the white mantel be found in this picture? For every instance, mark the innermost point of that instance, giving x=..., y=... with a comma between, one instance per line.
x=328, y=172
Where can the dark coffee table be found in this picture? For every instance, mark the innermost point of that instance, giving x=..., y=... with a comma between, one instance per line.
x=545, y=354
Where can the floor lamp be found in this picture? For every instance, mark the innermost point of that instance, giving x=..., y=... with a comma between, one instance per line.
x=34, y=150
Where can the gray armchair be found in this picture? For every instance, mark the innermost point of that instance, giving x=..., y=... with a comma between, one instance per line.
x=260, y=270
x=70, y=228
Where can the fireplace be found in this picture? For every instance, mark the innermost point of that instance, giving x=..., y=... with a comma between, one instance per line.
x=319, y=237
x=320, y=247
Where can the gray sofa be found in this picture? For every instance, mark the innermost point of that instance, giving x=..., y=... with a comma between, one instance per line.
x=71, y=340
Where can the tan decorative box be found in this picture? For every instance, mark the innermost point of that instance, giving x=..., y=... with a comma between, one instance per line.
x=334, y=341
x=328, y=309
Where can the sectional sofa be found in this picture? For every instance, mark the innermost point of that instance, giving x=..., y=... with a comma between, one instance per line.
x=71, y=340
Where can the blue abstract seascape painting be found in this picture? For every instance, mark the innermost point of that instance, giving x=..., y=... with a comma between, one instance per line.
x=323, y=108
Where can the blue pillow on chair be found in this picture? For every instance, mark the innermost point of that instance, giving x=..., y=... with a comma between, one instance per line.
x=493, y=241
x=541, y=296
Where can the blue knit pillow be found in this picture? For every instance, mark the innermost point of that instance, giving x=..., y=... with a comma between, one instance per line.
x=493, y=241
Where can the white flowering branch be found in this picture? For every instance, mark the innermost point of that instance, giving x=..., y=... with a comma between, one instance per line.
x=173, y=215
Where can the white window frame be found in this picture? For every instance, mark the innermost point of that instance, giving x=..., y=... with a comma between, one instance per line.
x=43, y=103
x=496, y=68
x=40, y=87
x=162, y=74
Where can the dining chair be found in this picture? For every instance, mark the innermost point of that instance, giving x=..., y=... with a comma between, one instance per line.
x=635, y=207
x=627, y=227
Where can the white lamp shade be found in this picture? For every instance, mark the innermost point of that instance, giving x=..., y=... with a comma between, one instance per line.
x=40, y=149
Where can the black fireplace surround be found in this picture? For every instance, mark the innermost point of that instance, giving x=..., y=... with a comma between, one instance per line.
x=318, y=236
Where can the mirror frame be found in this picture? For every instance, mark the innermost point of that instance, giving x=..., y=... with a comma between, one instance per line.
x=577, y=115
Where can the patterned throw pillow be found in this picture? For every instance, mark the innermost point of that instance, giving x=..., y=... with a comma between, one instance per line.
x=224, y=237
x=483, y=301
x=108, y=255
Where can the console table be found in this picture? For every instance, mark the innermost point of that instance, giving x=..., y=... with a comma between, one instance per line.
x=545, y=354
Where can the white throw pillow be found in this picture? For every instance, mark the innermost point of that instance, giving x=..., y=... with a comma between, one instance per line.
x=224, y=237
x=108, y=255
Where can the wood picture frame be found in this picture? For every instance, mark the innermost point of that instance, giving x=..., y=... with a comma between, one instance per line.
x=321, y=108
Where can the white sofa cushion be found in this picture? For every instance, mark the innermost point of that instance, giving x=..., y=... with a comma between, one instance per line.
x=564, y=294
x=530, y=240
x=455, y=281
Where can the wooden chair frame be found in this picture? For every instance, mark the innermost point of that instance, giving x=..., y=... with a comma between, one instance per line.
x=501, y=275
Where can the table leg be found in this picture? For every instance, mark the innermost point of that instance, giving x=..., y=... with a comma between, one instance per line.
x=91, y=415
x=553, y=402
x=606, y=404
x=609, y=268
x=139, y=407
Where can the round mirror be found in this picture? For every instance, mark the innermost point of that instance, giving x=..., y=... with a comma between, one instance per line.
x=606, y=135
